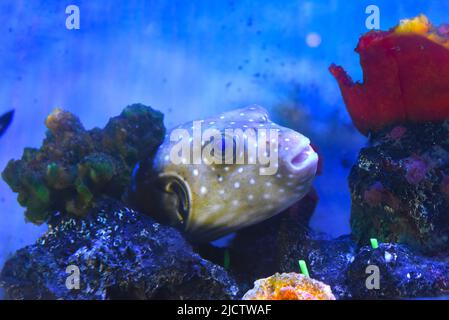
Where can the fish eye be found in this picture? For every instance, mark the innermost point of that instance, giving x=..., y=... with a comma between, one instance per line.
x=228, y=145
x=223, y=150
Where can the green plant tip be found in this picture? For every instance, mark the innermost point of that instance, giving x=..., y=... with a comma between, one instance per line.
x=226, y=259
x=374, y=243
x=303, y=267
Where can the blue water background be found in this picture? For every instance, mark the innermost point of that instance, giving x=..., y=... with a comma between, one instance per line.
x=189, y=59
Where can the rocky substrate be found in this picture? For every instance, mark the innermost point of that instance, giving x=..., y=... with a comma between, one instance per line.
x=277, y=244
x=121, y=254
x=403, y=273
x=400, y=188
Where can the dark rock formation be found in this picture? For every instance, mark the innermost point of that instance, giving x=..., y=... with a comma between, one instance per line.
x=403, y=273
x=121, y=254
x=73, y=167
x=277, y=244
x=328, y=259
x=254, y=252
x=400, y=187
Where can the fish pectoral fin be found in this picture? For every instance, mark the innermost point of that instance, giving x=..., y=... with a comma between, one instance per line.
x=174, y=199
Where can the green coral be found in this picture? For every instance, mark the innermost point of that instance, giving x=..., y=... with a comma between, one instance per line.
x=75, y=167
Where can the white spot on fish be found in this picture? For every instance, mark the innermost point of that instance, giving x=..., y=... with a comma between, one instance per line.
x=195, y=172
x=252, y=181
x=203, y=190
x=237, y=185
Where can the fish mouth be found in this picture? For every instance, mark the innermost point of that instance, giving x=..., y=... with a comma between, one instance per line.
x=304, y=161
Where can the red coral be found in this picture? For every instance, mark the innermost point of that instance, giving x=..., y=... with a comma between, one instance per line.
x=406, y=77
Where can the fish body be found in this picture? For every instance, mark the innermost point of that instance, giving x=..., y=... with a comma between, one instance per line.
x=244, y=169
x=5, y=121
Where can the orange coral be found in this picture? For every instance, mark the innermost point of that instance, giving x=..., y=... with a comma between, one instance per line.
x=289, y=286
x=406, y=76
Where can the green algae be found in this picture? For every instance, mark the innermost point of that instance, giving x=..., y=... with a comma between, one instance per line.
x=75, y=167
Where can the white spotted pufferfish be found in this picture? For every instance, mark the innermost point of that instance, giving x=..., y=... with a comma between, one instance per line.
x=209, y=200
